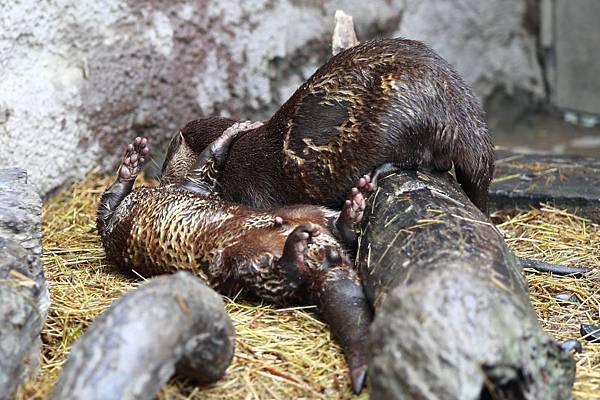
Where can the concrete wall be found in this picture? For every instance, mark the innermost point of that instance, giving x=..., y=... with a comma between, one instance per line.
x=491, y=43
x=78, y=79
x=575, y=55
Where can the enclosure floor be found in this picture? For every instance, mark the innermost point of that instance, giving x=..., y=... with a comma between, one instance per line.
x=289, y=354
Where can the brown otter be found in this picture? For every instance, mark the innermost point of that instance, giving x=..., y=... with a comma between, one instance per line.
x=382, y=101
x=287, y=255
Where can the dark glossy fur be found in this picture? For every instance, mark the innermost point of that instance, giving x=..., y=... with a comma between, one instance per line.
x=389, y=100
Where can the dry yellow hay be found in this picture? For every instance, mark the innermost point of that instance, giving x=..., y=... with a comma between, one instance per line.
x=554, y=235
x=288, y=354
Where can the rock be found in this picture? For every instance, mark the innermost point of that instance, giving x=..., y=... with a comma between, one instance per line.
x=567, y=298
x=572, y=346
x=492, y=44
x=12, y=175
x=171, y=323
x=574, y=87
x=526, y=180
x=24, y=295
x=591, y=333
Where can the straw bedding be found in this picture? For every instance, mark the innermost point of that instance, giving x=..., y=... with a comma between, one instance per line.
x=288, y=353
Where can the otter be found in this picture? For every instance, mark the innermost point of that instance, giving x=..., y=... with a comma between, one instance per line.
x=289, y=255
x=383, y=101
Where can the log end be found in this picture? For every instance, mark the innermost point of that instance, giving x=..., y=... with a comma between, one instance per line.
x=173, y=322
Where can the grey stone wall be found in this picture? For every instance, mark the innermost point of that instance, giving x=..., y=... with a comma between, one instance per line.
x=573, y=54
x=491, y=43
x=80, y=78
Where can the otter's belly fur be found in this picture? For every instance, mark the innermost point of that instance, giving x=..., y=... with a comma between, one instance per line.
x=155, y=231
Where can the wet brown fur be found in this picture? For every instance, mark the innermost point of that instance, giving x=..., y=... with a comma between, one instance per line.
x=239, y=250
x=183, y=149
x=159, y=230
x=388, y=100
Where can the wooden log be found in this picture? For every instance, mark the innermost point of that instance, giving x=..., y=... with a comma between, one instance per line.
x=526, y=180
x=24, y=295
x=172, y=323
x=453, y=318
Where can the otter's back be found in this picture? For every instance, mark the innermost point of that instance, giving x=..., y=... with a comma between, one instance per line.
x=389, y=100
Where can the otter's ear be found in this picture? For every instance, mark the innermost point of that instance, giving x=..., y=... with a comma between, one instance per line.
x=178, y=161
x=174, y=144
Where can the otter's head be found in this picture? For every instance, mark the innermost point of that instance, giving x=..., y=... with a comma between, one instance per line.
x=187, y=144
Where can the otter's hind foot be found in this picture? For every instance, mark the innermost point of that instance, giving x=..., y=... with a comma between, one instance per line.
x=133, y=161
x=292, y=259
x=353, y=210
x=354, y=206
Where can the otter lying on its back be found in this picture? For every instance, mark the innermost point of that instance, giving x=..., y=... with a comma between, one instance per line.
x=286, y=255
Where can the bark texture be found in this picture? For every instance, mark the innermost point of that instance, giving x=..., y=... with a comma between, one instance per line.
x=23, y=291
x=453, y=317
x=174, y=323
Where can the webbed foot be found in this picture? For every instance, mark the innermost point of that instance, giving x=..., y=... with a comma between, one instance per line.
x=292, y=259
x=134, y=159
x=353, y=210
x=132, y=164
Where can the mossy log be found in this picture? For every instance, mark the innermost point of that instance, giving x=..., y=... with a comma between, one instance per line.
x=173, y=323
x=453, y=319
x=24, y=295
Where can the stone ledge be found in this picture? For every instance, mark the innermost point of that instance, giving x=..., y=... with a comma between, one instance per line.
x=526, y=180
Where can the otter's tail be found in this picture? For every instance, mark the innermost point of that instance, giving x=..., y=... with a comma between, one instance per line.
x=344, y=307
